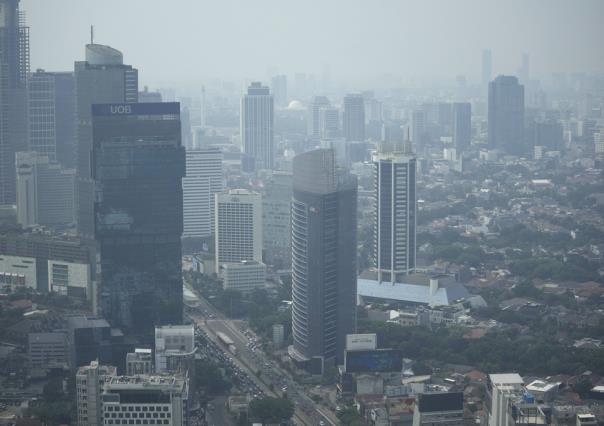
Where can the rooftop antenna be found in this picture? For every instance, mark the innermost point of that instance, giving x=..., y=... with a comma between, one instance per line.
x=92, y=34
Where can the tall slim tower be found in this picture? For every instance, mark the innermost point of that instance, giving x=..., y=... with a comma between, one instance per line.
x=506, y=116
x=462, y=126
x=324, y=227
x=138, y=164
x=418, y=129
x=14, y=68
x=487, y=68
x=314, y=115
x=279, y=88
x=101, y=78
x=257, y=125
x=354, y=118
x=395, y=212
x=202, y=181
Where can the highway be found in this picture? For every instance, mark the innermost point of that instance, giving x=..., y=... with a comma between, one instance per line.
x=253, y=360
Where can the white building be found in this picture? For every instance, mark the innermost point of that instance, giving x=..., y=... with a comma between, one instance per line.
x=139, y=362
x=395, y=212
x=509, y=403
x=147, y=400
x=599, y=142
x=89, y=386
x=244, y=276
x=18, y=271
x=257, y=116
x=174, y=348
x=238, y=226
x=202, y=181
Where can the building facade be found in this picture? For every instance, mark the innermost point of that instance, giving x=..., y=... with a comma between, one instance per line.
x=175, y=349
x=353, y=118
x=462, y=126
x=90, y=380
x=238, y=226
x=244, y=277
x=276, y=223
x=506, y=116
x=138, y=166
x=394, y=177
x=314, y=115
x=202, y=181
x=323, y=259
x=257, y=116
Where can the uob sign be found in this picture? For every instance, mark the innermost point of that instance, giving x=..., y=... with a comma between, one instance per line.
x=121, y=109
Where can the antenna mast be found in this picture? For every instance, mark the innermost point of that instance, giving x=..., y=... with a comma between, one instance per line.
x=92, y=34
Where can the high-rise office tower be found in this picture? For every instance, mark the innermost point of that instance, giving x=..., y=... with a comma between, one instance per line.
x=276, y=223
x=238, y=230
x=395, y=211
x=324, y=241
x=51, y=105
x=487, y=68
x=419, y=129
x=462, y=126
x=45, y=191
x=279, y=88
x=101, y=78
x=202, y=181
x=314, y=114
x=329, y=123
x=14, y=67
x=257, y=125
x=353, y=118
x=506, y=116
x=145, y=96
x=138, y=166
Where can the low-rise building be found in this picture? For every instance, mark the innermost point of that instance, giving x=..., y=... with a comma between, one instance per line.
x=47, y=351
x=443, y=409
x=244, y=276
x=139, y=362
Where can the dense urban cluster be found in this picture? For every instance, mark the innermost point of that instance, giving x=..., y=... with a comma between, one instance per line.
x=297, y=251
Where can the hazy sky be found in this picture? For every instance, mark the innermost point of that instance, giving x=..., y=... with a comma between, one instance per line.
x=359, y=40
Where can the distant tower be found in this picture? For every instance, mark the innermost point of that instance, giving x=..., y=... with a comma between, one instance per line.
x=317, y=104
x=354, y=118
x=14, y=68
x=487, y=68
x=524, y=70
x=257, y=125
x=418, y=129
x=279, y=89
x=395, y=211
x=101, y=78
x=203, y=106
x=506, y=116
x=324, y=241
x=462, y=126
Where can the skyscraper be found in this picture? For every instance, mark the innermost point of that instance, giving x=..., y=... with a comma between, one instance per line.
x=506, y=116
x=276, y=223
x=202, y=181
x=101, y=78
x=418, y=129
x=238, y=215
x=314, y=115
x=279, y=88
x=329, y=122
x=354, y=118
x=51, y=105
x=324, y=241
x=257, y=125
x=395, y=212
x=45, y=191
x=462, y=126
x=14, y=67
x=487, y=68
x=138, y=166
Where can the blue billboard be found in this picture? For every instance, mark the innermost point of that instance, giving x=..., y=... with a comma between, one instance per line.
x=151, y=108
x=377, y=361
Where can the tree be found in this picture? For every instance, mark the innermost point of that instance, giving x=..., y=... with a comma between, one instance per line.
x=271, y=410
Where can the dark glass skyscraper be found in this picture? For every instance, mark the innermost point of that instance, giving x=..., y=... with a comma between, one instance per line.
x=14, y=67
x=138, y=164
x=324, y=226
x=462, y=126
x=506, y=115
x=354, y=118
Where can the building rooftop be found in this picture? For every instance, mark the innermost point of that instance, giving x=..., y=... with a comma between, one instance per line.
x=144, y=382
x=433, y=402
x=506, y=379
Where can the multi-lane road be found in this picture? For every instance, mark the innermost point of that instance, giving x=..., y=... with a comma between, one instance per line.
x=247, y=354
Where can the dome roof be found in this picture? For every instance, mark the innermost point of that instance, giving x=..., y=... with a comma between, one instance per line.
x=295, y=105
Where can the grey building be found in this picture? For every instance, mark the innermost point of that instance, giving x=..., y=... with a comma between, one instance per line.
x=51, y=106
x=14, y=68
x=276, y=223
x=506, y=116
x=462, y=126
x=444, y=409
x=47, y=351
x=257, y=117
x=202, y=181
x=419, y=129
x=90, y=380
x=395, y=211
x=45, y=191
x=138, y=166
x=329, y=122
x=487, y=68
x=353, y=118
x=101, y=78
x=314, y=115
x=324, y=241
x=279, y=88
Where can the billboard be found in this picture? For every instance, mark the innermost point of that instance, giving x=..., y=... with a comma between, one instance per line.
x=357, y=342
x=374, y=361
x=151, y=108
